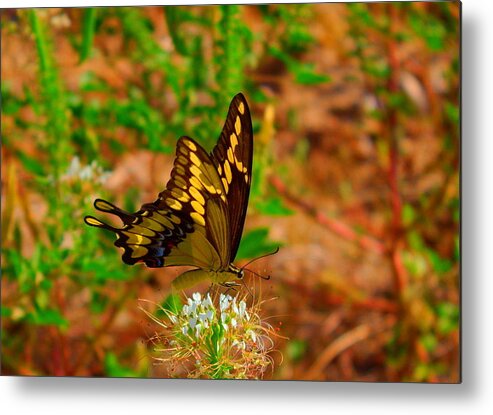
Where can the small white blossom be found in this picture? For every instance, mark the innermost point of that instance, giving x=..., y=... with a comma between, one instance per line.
x=252, y=335
x=198, y=327
x=192, y=322
x=207, y=301
x=224, y=302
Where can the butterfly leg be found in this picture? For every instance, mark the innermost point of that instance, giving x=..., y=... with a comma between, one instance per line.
x=209, y=289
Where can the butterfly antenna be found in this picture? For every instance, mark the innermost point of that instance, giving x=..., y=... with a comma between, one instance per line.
x=264, y=277
x=260, y=257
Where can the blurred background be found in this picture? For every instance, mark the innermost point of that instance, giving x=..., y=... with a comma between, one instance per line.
x=356, y=177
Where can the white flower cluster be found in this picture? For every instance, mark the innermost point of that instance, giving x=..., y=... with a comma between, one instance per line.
x=200, y=314
x=88, y=172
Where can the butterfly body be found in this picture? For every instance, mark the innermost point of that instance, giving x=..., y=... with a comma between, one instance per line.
x=226, y=278
x=198, y=219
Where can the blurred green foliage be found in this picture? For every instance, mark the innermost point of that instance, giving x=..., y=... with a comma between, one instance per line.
x=377, y=36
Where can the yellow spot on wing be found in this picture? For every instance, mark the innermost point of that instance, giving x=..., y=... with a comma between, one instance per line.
x=225, y=184
x=162, y=220
x=198, y=207
x=173, y=203
x=180, y=182
x=238, y=125
x=241, y=108
x=198, y=218
x=234, y=140
x=190, y=145
x=227, y=171
x=195, y=160
x=220, y=169
x=137, y=229
x=197, y=195
x=180, y=195
x=195, y=182
x=134, y=239
x=197, y=173
x=239, y=165
x=138, y=251
x=174, y=219
x=104, y=206
x=182, y=160
x=93, y=221
x=153, y=223
x=230, y=155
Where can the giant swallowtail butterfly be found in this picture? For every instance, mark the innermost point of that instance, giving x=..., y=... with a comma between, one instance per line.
x=198, y=219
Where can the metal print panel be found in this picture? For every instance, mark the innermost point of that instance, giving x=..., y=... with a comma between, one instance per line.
x=232, y=192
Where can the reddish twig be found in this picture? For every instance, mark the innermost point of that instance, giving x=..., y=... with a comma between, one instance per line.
x=374, y=304
x=341, y=229
x=393, y=178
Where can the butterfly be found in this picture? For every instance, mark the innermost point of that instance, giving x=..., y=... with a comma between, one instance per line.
x=198, y=219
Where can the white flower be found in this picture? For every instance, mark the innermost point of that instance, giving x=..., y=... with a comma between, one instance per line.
x=198, y=327
x=207, y=301
x=234, y=322
x=241, y=345
x=252, y=335
x=85, y=173
x=192, y=322
x=242, y=308
x=224, y=302
x=196, y=297
x=74, y=167
x=184, y=329
x=210, y=315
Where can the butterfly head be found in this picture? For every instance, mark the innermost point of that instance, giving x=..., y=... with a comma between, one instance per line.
x=238, y=272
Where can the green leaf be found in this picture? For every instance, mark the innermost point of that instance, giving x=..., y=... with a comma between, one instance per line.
x=306, y=75
x=88, y=30
x=114, y=369
x=256, y=243
x=296, y=349
x=408, y=214
x=448, y=317
x=453, y=112
x=5, y=311
x=273, y=206
x=172, y=303
x=47, y=317
x=98, y=302
x=429, y=342
x=439, y=264
x=31, y=164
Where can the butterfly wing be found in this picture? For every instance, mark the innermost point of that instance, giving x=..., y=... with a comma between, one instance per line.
x=187, y=225
x=233, y=156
